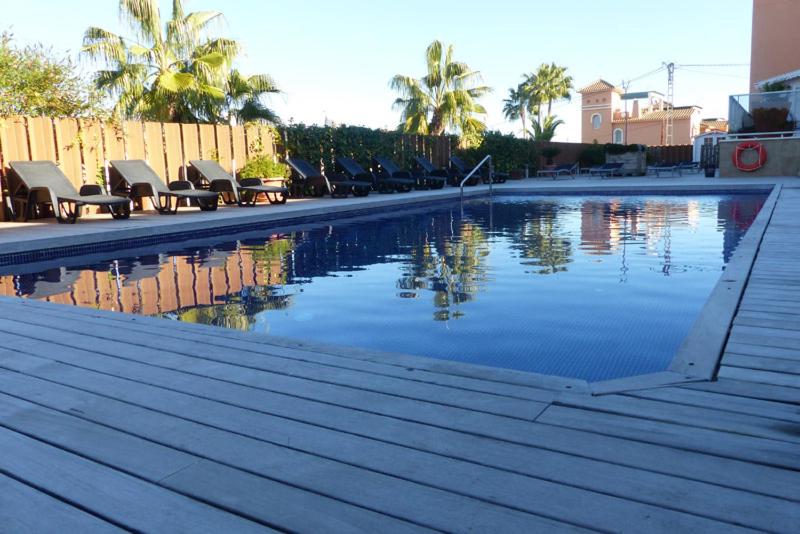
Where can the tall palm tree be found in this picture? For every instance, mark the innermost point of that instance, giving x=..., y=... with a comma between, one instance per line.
x=551, y=83
x=244, y=98
x=179, y=73
x=545, y=130
x=444, y=99
x=514, y=108
x=520, y=104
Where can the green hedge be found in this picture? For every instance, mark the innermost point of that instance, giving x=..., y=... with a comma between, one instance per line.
x=508, y=152
x=323, y=143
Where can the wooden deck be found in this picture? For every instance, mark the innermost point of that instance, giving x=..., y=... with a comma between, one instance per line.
x=111, y=421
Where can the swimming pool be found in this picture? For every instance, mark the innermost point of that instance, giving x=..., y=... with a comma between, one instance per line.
x=591, y=287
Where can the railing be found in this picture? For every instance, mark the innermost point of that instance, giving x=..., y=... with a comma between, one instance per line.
x=471, y=173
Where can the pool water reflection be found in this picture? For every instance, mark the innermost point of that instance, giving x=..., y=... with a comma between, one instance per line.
x=592, y=288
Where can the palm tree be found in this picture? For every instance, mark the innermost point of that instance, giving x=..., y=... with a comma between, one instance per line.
x=243, y=98
x=545, y=130
x=444, y=99
x=550, y=83
x=520, y=104
x=178, y=74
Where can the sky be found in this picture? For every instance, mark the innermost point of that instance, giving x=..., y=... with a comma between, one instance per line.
x=333, y=59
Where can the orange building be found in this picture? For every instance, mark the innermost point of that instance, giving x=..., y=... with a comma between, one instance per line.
x=774, y=55
x=609, y=115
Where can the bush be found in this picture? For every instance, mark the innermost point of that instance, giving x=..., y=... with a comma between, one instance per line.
x=264, y=167
x=324, y=143
x=593, y=155
x=508, y=152
x=613, y=148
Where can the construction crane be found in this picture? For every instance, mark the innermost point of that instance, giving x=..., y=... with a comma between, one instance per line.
x=669, y=129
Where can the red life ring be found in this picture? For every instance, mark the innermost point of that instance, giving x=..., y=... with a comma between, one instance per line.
x=741, y=148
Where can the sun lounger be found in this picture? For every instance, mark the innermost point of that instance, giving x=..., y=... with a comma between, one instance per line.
x=32, y=184
x=243, y=192
x=420, y=180
x=424, y=167
x=565, y=169
x=460, y=169
x=336, y=184
x=137, y=180
x=606, y=169
x=382, y=184
x=663, y=168
x=689, y=166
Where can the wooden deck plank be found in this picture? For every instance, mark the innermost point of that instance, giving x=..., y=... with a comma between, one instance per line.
x=24, y=509
x=777, y=365
x=513, y=490
x=276, y=394
x=760, y=350
x=761, y=377
x=779, y=454
x=722, y=401
x=749, y=390
x=395, y=496
x=494, y=381
x=71, y=335
x=112, y=495
x=693, y=416
x=588, y=474
x=278, y=504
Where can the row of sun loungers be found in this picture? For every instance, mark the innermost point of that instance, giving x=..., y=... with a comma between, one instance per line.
x=36, y=186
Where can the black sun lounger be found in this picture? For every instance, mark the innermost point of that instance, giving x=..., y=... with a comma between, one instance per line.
x=606, y=169
x=421, y=180
x=459, y=169
x=351, y=168
x=386, y=171
x=429, y=169
x=660, y=168
x=35, y=183
x=336, y=184
x=565, y=169
x=243, y=192
x=135, y=178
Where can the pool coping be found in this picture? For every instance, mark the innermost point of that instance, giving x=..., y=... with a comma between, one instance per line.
x=693, y=362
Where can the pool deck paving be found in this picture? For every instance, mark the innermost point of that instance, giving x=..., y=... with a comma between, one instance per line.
x=111, y=421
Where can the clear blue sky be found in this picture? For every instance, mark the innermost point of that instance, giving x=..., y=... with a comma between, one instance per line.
x=335, y=58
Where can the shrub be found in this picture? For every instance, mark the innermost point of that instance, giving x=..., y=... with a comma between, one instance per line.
x=614, y=148
x=593, y=155
x=264, y=167
x=324, y=143
x=508, y=152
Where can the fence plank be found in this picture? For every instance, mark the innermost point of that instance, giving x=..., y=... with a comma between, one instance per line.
x=174, y=150
x=239, y=147
x=253, y=141
x=154, y=148
x=40, y=136
x=69, y=150
x=224, y=146
x=14, y=140
x=191, y=147
x=134, y=140
x=208, y=143
x=113, y=141
x=91, y=149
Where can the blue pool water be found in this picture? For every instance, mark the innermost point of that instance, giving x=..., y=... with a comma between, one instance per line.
x=584, y=287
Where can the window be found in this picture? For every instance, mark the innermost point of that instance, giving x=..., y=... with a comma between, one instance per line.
x=596, y=120
x=618, y=136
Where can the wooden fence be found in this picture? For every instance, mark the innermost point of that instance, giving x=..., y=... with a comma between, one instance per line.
x=81, y=146
x=670, y=154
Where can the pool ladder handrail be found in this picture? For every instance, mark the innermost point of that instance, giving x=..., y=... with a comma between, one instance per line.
x=474, y=170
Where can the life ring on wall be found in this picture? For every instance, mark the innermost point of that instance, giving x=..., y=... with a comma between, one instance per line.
x=741, y=148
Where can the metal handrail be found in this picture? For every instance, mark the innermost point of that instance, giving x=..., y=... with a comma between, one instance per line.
x=474, y=170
